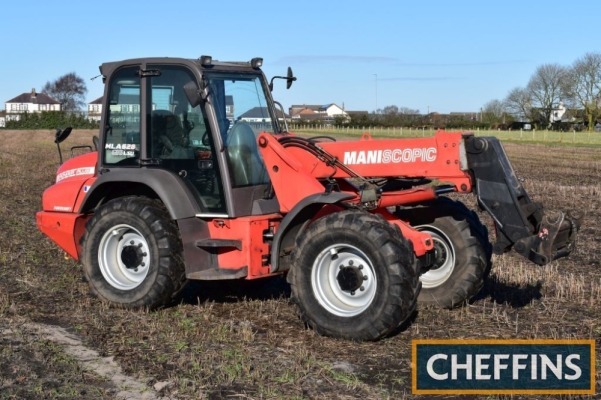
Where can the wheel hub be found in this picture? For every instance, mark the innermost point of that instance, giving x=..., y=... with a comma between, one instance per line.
x=132, y=256
x=350, y=278
x=344, y=280
x=440, y=255
x=124, y=257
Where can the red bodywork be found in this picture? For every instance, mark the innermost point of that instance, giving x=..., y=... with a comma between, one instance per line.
x=57, y=219
x=295, y=174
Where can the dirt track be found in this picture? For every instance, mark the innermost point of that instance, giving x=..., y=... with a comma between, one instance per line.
x=245, y=340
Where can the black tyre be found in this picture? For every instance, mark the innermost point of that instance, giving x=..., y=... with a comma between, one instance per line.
x=353, y=276
x=132, y=254
x=462, y=252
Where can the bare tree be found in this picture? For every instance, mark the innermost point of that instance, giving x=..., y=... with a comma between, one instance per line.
x=519, y=103
x=494, y=112
x=583, y=86
x=390, y=110
x=408, y=111
x=546, y=90
x=69, y=90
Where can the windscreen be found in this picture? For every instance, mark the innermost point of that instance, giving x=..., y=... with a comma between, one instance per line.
x=240, y=98
x=242, y=112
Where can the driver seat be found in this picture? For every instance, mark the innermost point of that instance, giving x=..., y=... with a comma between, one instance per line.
x=167, y=132
x=245, y=163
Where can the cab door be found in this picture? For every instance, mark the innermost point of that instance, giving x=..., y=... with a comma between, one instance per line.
x=180, y=137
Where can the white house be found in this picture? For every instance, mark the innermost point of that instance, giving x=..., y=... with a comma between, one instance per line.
x=557, y=114
x=95, y=109
x=30, y=102
x=317, y=112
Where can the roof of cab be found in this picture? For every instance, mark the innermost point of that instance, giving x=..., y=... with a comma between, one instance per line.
x=108, y=67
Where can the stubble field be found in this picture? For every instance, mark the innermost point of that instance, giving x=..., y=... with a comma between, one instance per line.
x=244, y=340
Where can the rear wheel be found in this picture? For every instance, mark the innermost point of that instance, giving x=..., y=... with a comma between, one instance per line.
x=353, y=276
x=132, y=254
x=462, y=252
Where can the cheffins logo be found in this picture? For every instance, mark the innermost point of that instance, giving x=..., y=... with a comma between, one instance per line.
x=503, y=366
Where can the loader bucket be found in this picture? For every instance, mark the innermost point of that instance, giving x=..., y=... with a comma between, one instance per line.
x=520, y=223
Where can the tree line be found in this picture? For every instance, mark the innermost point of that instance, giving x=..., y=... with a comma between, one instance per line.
x=577, y=87
x=69, y=90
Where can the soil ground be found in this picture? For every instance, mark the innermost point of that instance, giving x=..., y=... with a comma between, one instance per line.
x=244, y=340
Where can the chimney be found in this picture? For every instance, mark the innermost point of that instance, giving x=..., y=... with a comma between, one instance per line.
x=33, y=94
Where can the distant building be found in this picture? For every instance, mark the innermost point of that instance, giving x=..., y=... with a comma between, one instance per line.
x=95, y=109
x=30, y=102
x=325, y=112
x=558, y=114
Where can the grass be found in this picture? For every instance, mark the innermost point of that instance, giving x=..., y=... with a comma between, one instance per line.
x=244, y=340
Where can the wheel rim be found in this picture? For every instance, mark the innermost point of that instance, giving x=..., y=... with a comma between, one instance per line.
x=444, y=263
x=123, y=257
x=343, y=280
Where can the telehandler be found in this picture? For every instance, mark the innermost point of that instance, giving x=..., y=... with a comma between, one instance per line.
x=195, y=176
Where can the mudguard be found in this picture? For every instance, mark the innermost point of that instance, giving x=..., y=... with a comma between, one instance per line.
x=304, y=210
x=179, y=199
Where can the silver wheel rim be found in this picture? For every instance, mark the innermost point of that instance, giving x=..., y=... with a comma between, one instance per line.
x=343, y=280
x=445, y=258
x=123, y=257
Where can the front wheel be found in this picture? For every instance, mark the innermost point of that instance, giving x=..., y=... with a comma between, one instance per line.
x=353, y=276
x=132, y=254
x=462, y=252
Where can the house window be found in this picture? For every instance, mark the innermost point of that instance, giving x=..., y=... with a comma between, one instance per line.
x=43, y=107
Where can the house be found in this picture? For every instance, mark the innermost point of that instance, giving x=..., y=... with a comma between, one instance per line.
x=30, y=102
x=2, y=119
x=558, y=114
x=95, y=109
x=325, y=112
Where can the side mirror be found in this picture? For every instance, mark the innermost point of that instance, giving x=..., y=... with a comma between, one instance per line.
x=289, y=78
x=61, y=135
x=192, y=93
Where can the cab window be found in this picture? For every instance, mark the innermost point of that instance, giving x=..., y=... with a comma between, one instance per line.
x=122, y=138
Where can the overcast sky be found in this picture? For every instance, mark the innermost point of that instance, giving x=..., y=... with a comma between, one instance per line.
x=439, y=56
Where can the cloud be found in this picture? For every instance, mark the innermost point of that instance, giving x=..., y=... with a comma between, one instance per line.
x=393, y=61
x=419, y=79
x=462, y=63
x=314, y=59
